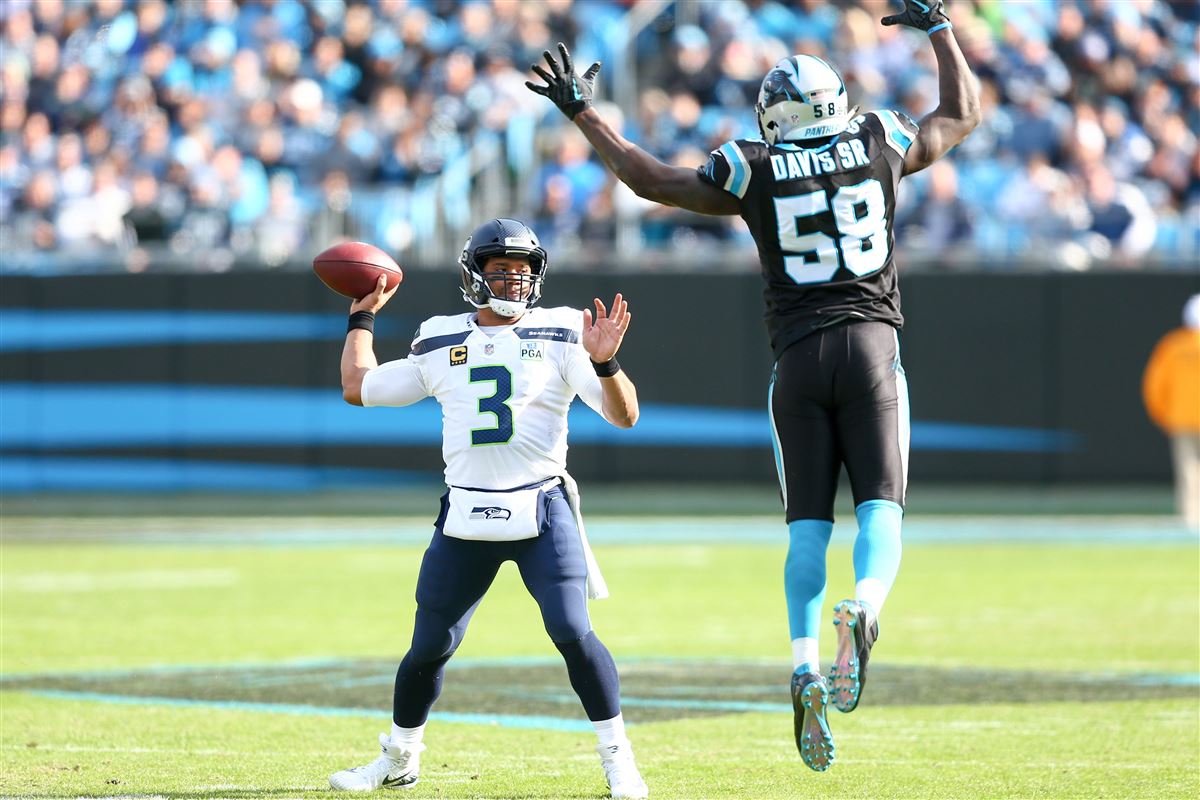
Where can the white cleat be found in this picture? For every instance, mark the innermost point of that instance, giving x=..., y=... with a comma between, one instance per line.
x=621, y=772
x=396, y=768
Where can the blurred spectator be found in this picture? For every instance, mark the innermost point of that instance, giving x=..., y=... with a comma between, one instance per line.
x=13, y=177
x=145, y=221
x=204, y=228
x=37, y=142
x=581, y=176
x=333, y=219
x=1043, y=204
x=74, y=177
x=279, y=233
x=307, y=128
x=355, y=149
x=599, y=225
x=693, y=69
x=1171, y=390
x=31, y=226
x=557, y=221
x=1129, y=149
x=358, y=26
x=943, y=221
x=107, y=205
x=1120, y=213
x=43, y=72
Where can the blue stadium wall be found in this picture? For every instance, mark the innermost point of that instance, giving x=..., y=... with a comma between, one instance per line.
x=148, y=383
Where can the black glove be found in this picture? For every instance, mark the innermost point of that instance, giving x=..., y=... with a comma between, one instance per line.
x=570, y=93
x=928, y=16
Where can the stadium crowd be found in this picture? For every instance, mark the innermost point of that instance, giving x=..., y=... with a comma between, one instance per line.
x=263, y=130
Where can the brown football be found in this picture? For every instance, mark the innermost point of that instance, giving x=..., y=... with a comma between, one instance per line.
x=352, y=268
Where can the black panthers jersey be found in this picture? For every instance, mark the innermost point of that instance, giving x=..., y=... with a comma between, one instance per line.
x=822, y=219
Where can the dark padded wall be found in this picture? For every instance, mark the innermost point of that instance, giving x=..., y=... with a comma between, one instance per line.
x=1013, y=377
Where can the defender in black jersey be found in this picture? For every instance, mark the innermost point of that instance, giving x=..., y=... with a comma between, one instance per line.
x=821, y=214
x=817, y=191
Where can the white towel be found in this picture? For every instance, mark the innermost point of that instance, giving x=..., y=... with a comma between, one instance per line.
x=596, y=587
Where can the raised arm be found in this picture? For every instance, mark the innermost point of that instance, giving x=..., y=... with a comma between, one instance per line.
x=358, y=354
x=957, y=112
x=650, y=178
x=601, y=339
x=643, y=173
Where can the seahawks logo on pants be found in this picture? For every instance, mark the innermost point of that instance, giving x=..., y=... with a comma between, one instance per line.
x=490, y=512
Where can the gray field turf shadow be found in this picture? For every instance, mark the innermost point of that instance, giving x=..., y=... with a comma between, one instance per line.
x=652, y=690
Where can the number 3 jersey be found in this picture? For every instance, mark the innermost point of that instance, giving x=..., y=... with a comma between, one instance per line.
x=822, y=220
x=504, y=396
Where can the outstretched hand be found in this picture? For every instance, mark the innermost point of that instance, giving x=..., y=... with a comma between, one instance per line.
x=570, y=93
x=603, y=338
x=376, y=299
x=926, y=16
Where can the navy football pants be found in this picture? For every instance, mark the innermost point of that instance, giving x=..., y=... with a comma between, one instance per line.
x=455, y=574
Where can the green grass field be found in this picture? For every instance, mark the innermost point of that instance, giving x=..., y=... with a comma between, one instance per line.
x=208, y=658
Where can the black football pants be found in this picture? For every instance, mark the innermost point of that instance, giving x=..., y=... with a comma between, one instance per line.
x=839, y=396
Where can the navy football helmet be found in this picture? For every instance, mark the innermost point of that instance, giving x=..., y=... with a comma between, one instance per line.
x=502, y=237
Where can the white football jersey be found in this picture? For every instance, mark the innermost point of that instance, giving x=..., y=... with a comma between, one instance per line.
x=504, y=397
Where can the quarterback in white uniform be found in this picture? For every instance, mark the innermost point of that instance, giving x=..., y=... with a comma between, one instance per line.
x=529, y=370
x=505, y=375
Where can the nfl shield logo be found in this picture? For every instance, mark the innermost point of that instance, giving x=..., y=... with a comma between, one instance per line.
x=489, y=348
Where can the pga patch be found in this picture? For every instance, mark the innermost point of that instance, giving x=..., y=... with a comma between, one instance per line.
x=533, y=351
x=458, y=355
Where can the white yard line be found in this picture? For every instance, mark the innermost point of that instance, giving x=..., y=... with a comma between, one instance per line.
x=119, y=581
x=1129, y=529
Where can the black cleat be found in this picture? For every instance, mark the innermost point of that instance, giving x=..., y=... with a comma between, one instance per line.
x=810, y=696
x=855, y=638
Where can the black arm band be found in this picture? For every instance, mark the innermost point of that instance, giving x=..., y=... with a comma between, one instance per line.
x=607, y=369
x=361, y=321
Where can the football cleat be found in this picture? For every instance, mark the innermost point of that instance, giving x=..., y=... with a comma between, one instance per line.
x=624, y=780
x=810, y=696
x=396, y=768
x=856, y=635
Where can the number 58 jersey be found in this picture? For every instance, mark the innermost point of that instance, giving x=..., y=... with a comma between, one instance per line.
x=822, y=219
x=504, y=396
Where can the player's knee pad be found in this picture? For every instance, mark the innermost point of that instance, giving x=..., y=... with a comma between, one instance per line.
x=433, y=639
x=565, y=615
x=586, y=650
x=575, y=645
x=568, y=629
x=593, y=675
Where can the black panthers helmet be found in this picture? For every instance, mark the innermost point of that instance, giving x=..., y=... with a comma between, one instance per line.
x=500, y=237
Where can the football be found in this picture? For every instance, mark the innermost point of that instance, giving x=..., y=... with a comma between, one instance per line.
x=352, y=268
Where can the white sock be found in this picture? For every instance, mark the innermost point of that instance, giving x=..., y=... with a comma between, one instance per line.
x=806, y=653
x=873, y=592
x=610, y=731
x=407, y=736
